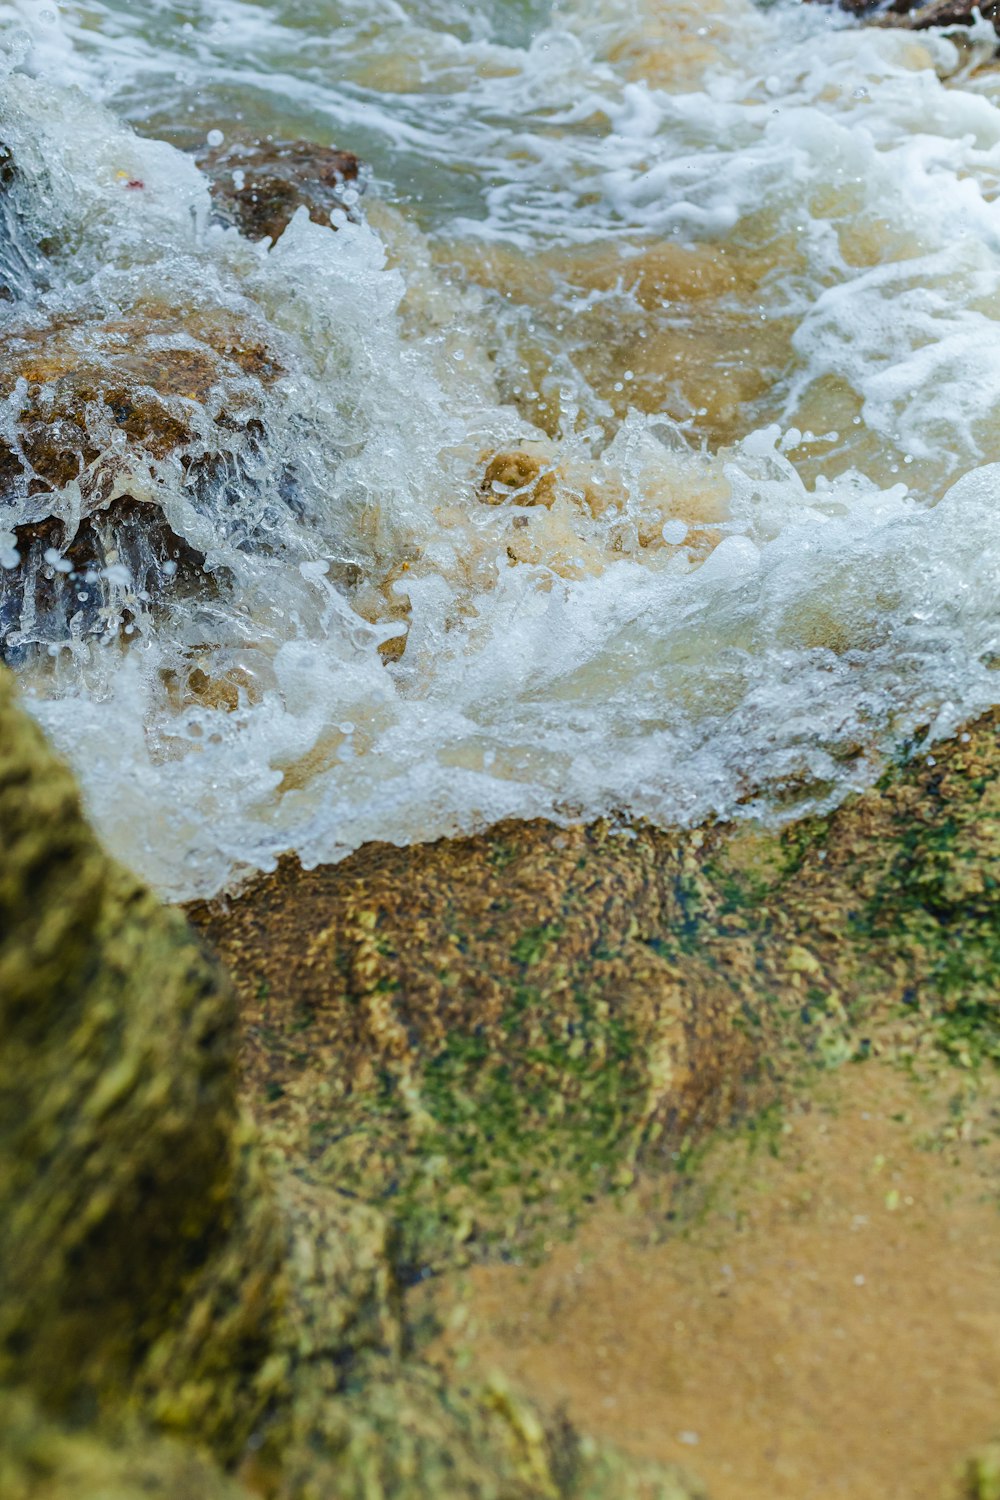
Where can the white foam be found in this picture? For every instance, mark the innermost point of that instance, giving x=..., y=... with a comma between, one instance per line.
x=791, y=630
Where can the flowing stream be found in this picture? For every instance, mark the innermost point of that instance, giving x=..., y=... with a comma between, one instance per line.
x=633, y=452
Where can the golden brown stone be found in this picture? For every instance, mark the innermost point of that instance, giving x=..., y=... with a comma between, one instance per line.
x=161, y=1273
x=258, y=186
x=102, y=403
x=487, y=1033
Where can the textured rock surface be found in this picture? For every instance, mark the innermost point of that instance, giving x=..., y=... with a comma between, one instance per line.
x=134, y=437
x=258, y=186
x=485, y=1034
x=110, y=417
x=134, y=1221
x=160, y=1272
x=483, y=1031
x=41, y=1460
x=482, y=1037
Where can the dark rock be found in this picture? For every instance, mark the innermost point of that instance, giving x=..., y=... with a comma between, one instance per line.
x=99, y=403
x=919, y=15
x=66, y=578
x=258, y=186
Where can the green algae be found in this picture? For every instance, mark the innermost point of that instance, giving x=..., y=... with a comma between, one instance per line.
x=447, y=1055
x=181, y=1311
x=505, y=1028
x=981, y=1477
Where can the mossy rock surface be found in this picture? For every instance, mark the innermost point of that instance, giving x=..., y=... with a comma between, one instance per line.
x=165, y=1275
x=449, y=1052
x=483, y=1035
x=123, y=1171
x=43, y=1460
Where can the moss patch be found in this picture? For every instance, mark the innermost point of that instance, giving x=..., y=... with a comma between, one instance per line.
x=164, y=1271
x=484, y=1035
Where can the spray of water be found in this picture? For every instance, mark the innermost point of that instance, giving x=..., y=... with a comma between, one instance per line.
x=635, y=454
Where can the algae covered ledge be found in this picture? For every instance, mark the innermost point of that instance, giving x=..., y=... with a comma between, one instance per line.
x=605, y=456
x=182, y=1307
x=217, y=1190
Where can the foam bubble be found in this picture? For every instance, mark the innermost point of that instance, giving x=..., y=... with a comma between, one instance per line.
x=533, y=520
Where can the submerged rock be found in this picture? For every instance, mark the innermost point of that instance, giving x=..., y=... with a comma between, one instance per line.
x=258, y=186
x=161, y=1275
x=134, y=441
x=483, y=1035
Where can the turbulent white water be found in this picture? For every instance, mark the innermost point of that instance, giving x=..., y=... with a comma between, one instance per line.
x=727, y=281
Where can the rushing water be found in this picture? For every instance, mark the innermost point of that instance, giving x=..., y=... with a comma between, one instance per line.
x=653, y=411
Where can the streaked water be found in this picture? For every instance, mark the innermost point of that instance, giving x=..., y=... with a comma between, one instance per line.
x=720, y=286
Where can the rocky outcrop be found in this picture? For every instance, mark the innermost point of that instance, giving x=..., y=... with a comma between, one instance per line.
x=483, y=1035
x=121, y=428
x=109, y=415
x=258, y=186
x=920, y=15
x=449, y=1052
x=135, y=1220
x=163, y=1274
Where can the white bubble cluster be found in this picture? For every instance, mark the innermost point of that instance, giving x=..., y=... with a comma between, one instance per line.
x=666, y=630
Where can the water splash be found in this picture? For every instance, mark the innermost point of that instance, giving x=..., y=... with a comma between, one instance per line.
x=610, y=466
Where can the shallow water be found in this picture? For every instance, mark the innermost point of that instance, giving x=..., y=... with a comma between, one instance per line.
x=637, y=454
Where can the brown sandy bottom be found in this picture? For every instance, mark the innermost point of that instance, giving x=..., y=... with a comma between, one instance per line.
x=821, y=1319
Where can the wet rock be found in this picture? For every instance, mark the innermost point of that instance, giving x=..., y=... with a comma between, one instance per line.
x=22, y=266
x=485, y=1032
x=166, y=1272
x=919, y=15
x=483, y=1035
x=64, y=586
x=521, y=476
x=258, y=186
x=6, y=224
x=135, y=1242
x=105, y=419
x=450, y=1051
x=42, y=1460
